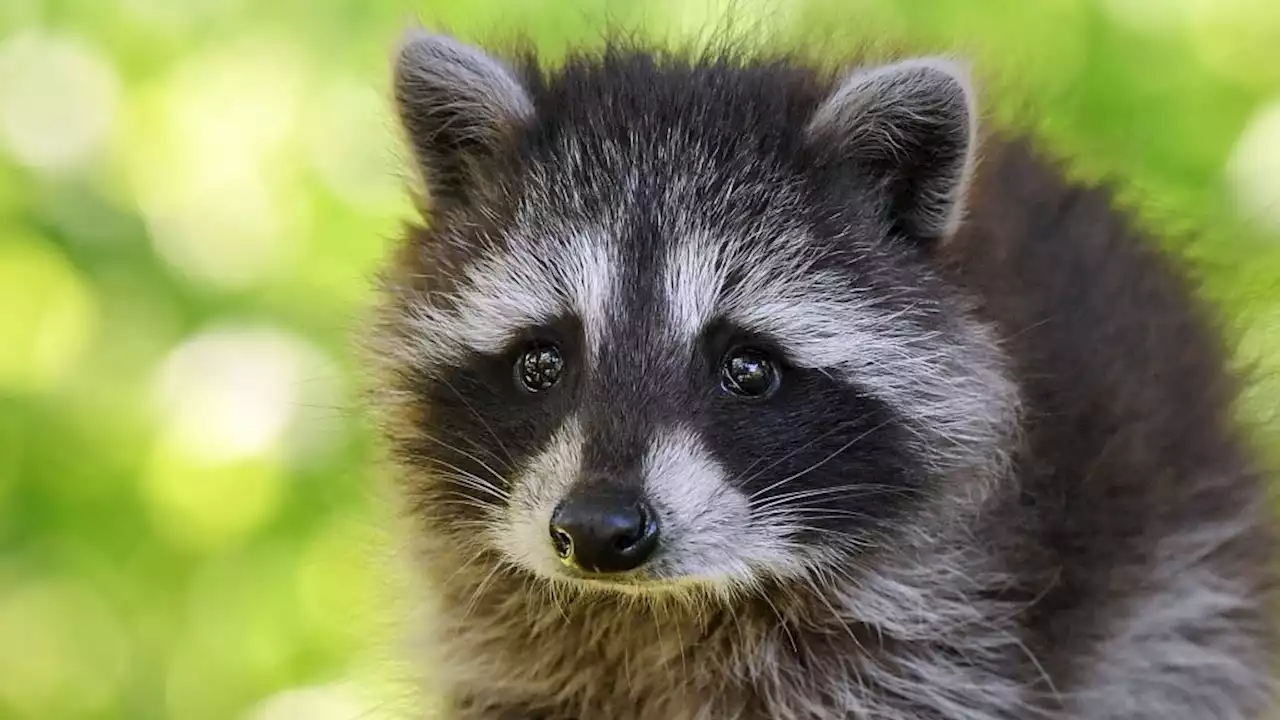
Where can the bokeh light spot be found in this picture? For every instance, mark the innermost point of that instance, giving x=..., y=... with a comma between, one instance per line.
x=242, y=611
x=321, y=702
x=1148, y=16
x=198, y=688
x=338, y=585
x=230, y=393
x=205, y=504
x=48, y=318
x=229, y=400
x=317, y=431
x=1259, y=353
x=351, y=146
x=1237, y=39
x=1254, y=167
x=210, y=162
x=63, y=652
x=58, y=100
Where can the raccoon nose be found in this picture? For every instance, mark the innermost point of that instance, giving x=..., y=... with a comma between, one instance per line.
x=604, y=530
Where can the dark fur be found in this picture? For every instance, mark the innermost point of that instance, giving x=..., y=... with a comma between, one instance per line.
x=1131, y=434
x=1127, y=474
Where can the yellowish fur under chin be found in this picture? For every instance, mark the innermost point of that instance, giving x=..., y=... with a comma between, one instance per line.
x=672, y=592
x=644, y=586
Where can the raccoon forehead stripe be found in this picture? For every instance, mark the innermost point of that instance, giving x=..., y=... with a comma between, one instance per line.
x=817, y=316
x=950, y=383
x=526, y=284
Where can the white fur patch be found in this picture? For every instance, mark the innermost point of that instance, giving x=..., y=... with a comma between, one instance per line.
x=527, y=283
x=956, y=650
x=523, y=534
x=707, y=532
x=1179, y=654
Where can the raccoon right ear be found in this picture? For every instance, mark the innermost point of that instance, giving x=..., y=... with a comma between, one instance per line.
x=457, y=105
x=908, y=128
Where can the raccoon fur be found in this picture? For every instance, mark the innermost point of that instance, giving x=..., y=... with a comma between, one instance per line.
x=730, y=387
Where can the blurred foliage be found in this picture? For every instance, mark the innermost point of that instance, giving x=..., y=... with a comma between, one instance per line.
x=194, y=194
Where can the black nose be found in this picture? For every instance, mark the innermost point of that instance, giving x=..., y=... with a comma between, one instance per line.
x=604, y=530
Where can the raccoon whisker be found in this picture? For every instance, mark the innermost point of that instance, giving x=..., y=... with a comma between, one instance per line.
x=475, y=484
x=470, y=522
x=456, y=499
x=684, y=670
x=434, y=458
x=475, y=555
x=843, y=541
x=860, y=543
x=538, y=588
x=467, y=482
x=782, y=621
x=844, y=623
x=447, y=471
x=797, y=503
x=799, y=510
x=626, y=662
x=806, y=524
x=820, y=436
x=555, y=600
x=818, y=464
x=471, y=443
x=458, y=474
x=657, y=627
x=1041, y=671
x=470, y=456
x=855, y=491
x=511, y=461
x=835, y=578
x=801, y=522
x=479, y=591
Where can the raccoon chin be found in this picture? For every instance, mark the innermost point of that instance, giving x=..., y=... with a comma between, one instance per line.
x=676, y=594
x=645, y=586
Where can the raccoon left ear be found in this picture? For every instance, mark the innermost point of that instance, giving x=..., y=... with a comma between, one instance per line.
x=910, y=127
x=458, y=105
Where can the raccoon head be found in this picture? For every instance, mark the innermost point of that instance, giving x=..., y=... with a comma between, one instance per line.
x=676, y=323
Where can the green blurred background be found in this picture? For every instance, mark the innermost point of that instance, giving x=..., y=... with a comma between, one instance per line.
x=193, y=195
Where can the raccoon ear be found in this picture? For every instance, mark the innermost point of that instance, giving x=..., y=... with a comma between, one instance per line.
x=911, y=128
x=457, y=105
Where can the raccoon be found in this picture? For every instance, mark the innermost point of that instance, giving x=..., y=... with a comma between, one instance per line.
x=724, y=385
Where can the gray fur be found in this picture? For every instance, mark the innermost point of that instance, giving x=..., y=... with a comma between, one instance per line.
x=902, y=110
x=453, y=100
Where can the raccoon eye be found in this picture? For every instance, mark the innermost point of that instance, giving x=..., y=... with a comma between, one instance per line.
x=539, y=367
x=750, y=373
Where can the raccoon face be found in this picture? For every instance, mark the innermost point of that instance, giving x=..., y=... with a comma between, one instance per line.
x=674, y=323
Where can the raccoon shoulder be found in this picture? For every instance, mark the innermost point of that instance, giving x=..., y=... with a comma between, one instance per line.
x=1144, y=498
